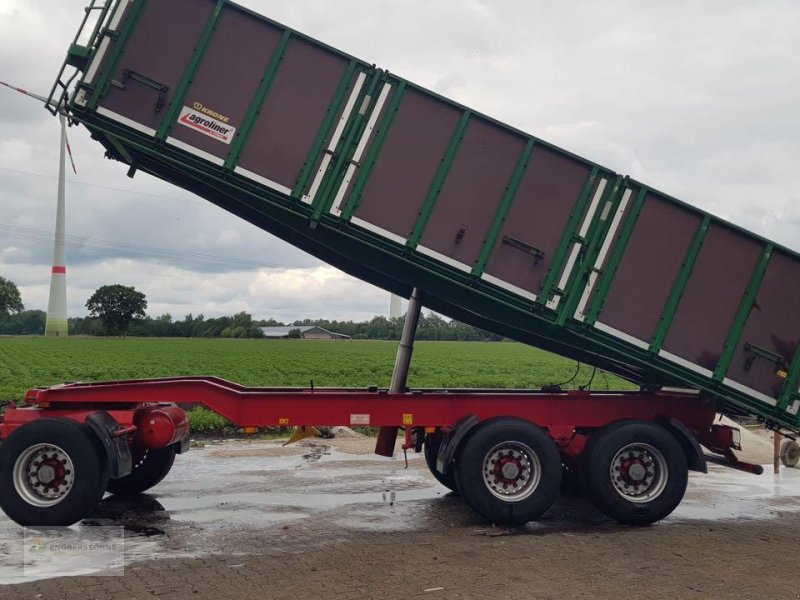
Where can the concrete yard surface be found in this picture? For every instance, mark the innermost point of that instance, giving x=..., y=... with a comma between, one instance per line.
x=327, y=519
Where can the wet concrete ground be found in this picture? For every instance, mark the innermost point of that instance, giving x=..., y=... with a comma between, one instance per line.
x=274, y=517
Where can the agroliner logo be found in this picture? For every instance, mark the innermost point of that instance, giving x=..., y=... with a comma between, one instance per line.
x=208, y=122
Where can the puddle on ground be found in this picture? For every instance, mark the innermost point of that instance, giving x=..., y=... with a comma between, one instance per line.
x=727, y=494
x=240, y=497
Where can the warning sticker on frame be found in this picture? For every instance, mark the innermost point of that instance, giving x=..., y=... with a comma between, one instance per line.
x=207, y=125
x=359, y=419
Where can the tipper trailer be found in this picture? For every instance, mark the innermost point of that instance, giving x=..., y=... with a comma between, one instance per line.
x=429, y=199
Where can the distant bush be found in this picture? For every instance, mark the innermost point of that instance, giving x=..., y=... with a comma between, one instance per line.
x=27, y=322
x=205, y=421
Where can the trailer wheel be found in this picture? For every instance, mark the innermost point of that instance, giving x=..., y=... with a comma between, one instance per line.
x=431, y=450
x=149, y=468
x=790, y=453
x=53, y=472
x=636, y=472
x=509, y=471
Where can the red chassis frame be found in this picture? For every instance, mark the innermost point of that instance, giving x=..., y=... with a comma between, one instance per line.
x=567, y=415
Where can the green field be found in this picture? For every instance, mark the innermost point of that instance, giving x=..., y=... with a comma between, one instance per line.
x=27, y=362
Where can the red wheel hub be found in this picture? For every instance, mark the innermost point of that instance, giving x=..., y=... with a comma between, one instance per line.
x=633, y=471
x=508, y=470
x=51, y=473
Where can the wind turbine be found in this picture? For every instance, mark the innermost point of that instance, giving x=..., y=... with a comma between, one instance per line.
x=56, y=325
x=395, y=307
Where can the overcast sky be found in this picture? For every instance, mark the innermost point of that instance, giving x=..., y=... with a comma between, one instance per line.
x=698, y=99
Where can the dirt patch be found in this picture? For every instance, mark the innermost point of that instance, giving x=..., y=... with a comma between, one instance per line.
x=456, y=558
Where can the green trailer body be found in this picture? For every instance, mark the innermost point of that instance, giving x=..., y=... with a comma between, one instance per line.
x=405, y=189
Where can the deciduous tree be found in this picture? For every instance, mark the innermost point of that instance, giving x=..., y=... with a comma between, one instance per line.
x=10, y=300
x=116, y=306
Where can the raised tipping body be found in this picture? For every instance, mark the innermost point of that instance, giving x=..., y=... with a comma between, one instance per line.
x=404, y=188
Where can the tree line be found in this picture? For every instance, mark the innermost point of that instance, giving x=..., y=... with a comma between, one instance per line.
x=118, y=310
x=243, y=325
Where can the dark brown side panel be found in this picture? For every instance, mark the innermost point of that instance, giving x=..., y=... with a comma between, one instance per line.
x=409, y=158
x=472, y=191
x=773, y=325
x=293, y=112
x=712, y=297
x=160, y=51
x=547, y=193
x=228, y=75
x=648, y=269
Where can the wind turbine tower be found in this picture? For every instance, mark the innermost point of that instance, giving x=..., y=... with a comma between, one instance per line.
x=56, y=324
x=395, y=307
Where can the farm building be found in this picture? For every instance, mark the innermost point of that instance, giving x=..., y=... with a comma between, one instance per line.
x=307, y=332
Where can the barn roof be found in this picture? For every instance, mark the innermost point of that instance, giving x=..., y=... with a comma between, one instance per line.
x=284, y=331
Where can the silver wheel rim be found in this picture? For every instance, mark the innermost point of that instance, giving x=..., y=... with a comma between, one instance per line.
x=43, y=475
x=511, y=471
x=639, y=473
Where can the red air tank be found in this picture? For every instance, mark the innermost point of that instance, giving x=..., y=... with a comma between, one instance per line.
x=161, y=426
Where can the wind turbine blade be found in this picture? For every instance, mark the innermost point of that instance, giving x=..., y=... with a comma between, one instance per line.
x=69, y=152
x=26, y=92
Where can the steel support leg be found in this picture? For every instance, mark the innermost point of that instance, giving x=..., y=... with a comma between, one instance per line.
x=387, y=436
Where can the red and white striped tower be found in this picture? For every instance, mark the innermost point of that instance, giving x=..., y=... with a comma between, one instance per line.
x=56, y=325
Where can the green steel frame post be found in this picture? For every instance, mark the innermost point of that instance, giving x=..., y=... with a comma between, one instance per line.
x=504, y=208
x=257, y=103
x=745, y=307
x=789, y=389
x=612, y=196
x=191, y=70
x=569, y=237
x=679, y=286
x=372, y=156
x=325, y=130
x=103, y=82
x=348, y=145
x=607, y=277
x=438, y=181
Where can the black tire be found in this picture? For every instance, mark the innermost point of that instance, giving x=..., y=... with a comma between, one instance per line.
x=662, y=467
x=537, y=493
x=149, y=468
x=431, y=450
x=62, y=443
